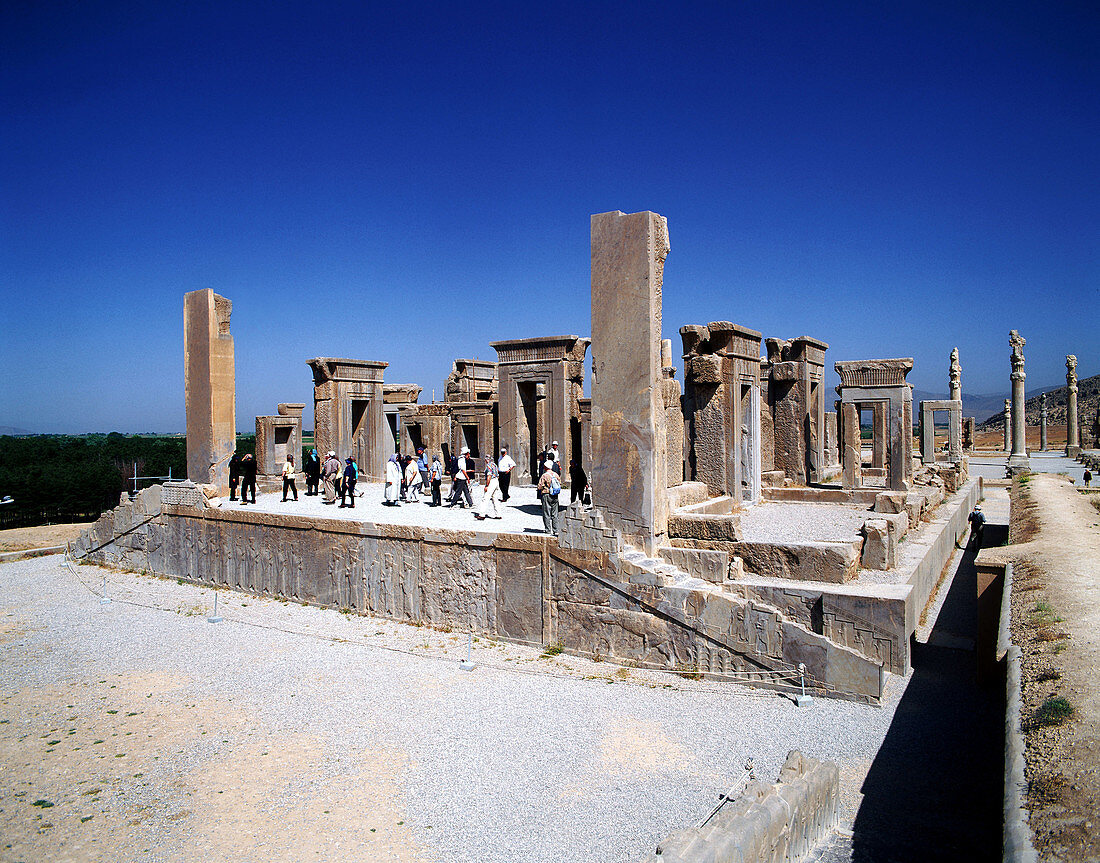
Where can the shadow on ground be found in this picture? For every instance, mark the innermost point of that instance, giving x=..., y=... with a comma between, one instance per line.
x=934, y=791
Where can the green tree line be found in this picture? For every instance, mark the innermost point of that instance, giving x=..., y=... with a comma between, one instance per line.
x=66, y=478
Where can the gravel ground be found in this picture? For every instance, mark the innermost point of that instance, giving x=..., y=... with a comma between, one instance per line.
x=289, y=732
x=772, y=521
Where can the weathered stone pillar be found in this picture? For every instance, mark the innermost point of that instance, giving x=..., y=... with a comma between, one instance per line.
x=1043, y=422
x=629, y=448
x=880, y=435
x=968, y=433
x=955, y=376
x=1008, y=425
x=209, y=386
x=1073, y=439
x=674, y=416
x=1018, y=460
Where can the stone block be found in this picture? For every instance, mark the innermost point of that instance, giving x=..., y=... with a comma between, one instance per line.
x=772, y=478
x=879, y=552
x=715, y=528
x=706, y=369
x=833, y=562
x=890, y=501
x=709, y=565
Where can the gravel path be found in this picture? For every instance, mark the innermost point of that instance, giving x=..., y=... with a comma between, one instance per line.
x=288, y=732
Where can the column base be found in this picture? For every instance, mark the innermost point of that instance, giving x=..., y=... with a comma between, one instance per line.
x=1018, y=464
x=1073, y=451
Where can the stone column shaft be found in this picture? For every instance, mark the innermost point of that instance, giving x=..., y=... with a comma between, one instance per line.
x=1073, y=438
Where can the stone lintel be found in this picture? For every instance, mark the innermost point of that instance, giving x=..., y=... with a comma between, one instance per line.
x=541, y=349
x=941, y=405
x=291, y=409
x=401, y=394
x=874, y=373
x=337, y=369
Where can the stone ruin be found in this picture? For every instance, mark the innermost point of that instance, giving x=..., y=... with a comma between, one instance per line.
x=660, y=570
x=210, y=388
x=277, y=437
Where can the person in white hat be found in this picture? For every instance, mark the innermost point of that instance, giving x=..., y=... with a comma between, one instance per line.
x=549, y=488
x=329, y=472
x=977, y=526
x=460, y=487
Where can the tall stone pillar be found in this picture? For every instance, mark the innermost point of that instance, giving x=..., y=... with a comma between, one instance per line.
x=1008, y=425
x=674, y=416
x=1018, y=460
x=955, y=375
x=1043, y=422
x=1073, y=439
x=209, y=386
x=628, y=435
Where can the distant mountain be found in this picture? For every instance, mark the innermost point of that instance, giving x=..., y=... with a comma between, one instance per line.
x=979, y=406
x=13, y=431
x=1088, y=403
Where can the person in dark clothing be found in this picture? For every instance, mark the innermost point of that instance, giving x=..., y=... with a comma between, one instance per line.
x=436, y=474
x=461, y=483
x=351, y=477
x=312, y=469
x=1087, y=477
x=234, y=475
x=578, y=480
x=248, y=478
x=977, y=526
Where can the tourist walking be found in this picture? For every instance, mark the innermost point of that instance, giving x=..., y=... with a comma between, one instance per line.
x=1087, y=478
x=393, y=482
x=549, y=488
x=234, y=475
x=288, y=477
x=436, y=475
x=491, y=492
x=351, y=477
x=460, y=486
x=977, y=526
x=422, y=467
x=248, y=478
x=329, y=473
x=413, y=482
x=578, y=482
x=312, y=469
x=555, y=457
x=506, y=465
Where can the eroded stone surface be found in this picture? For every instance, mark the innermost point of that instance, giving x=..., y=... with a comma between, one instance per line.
x=209, y=384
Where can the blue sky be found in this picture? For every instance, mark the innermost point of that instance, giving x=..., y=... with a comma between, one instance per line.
x=409, y=182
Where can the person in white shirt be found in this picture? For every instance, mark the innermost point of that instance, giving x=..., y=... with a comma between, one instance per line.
x=505, y=466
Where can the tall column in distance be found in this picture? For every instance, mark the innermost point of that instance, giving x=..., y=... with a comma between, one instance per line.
x=955, y=374
x=628, y=434
x=1073, y=438
x=209, y=388
x=1043, y=422
x=1008, y=425
x=1018, y=460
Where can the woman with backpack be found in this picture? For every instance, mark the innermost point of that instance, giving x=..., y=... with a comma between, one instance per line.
x=549, y=488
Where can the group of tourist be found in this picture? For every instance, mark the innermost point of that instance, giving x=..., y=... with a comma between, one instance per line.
x=407, y=476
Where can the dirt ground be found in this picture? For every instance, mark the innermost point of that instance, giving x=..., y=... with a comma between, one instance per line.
x=1056, y=438
x=44, y=536
x=1056, y=621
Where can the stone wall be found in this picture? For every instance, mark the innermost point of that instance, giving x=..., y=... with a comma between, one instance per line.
x=594, y=599
x=768, y=823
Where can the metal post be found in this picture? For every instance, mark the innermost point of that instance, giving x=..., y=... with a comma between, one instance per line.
x=214, y=617
x=104, y=599
x=803, y=700
x=467, y=664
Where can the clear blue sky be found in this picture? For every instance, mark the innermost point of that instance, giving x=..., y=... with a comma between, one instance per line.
x=409, y=182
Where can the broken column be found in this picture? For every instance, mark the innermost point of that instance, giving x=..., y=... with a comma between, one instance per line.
x=1043, y=422
x=1008, y=425
x=1073, y=440
x=674, y=416
x=955, y=376
x=209, y=386
x=629, y=449
x=1018, y=460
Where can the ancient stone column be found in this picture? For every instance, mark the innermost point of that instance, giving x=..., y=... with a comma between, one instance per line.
x=628, y=435
x=1073, y=440
x=955, y=374
x=1008, y=425
x=1018, y=460
x=1043, y=422
x=209, y=386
